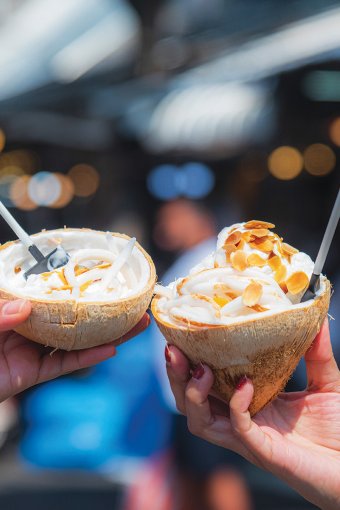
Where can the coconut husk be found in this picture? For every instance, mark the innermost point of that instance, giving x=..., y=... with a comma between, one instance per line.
x=266, y=348
x=73, y=325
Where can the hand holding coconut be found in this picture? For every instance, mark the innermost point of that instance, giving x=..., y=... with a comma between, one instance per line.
x=24, y=363
x=297, y=437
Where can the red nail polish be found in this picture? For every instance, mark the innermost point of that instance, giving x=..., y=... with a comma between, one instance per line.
x=198, y=371
x=241, y=382
x=167, y=354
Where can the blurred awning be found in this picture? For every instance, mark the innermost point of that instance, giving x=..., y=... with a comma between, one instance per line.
x=44, y=42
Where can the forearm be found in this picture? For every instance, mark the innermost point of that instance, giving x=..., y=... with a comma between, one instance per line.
x=318, y=485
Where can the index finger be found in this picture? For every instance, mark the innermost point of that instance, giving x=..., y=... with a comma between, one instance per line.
x=178, y=370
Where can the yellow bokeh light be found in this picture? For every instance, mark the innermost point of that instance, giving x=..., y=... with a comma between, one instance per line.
x=319, y=159
x=26, y=160
x=85, y=179
x=19, y=194
x=11, y=170
x=66, y=191
x=2, y=140
x=285, y=163
x=334, y=131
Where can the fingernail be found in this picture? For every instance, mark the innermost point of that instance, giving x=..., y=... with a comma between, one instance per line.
x=167, y=354
x=241, y=382
x=198, y=371
x=13, y=307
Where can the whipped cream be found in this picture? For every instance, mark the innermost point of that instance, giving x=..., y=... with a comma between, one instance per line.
x=251, y=272
x=101, y=267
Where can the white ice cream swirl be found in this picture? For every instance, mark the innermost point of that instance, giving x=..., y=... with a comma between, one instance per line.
x=101, y=267
x=251, y=272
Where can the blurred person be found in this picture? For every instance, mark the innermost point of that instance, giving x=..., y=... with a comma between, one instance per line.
x=296, y=437
x=188, y=228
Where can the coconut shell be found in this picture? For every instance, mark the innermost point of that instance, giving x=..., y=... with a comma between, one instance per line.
x=73, y=325
x=265, y=349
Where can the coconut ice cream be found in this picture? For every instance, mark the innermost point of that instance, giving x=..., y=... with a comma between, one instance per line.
x=99, y=295
x=239, y=310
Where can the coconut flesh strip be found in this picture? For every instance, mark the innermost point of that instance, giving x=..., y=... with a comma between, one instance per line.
x=251, y=272
x=102, y=267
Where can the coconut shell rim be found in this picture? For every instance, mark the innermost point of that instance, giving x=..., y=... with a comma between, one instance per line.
x=254, y=317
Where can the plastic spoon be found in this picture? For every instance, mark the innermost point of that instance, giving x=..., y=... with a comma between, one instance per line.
x=57, y=258
x=314, y=283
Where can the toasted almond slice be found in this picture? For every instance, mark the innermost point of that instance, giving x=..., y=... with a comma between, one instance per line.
x=63, y=287
x=287, y=248
x=260, y=232
x=266, y=246
x=297, y=282
x=229, y=249
x=280, y=274
x=210, y=300
x=259, y=308
x=247, y=236
x=233, y=238
x=222, y=289
x=180, y=285
x=221, y=301
x=274, y=262
x=216, y=265
x=104, y=265
x=62, y=276
x=78, y=270
x=252, y=294
x=85, y=285
x=240, y=245
x=258, y=224
x=283, y=287
x=238, y=260
x=255, y=260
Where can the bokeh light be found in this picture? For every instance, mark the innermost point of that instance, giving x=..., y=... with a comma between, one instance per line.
x=26, y=160
x=2, y=140
x=285, y=163
x=334, y=131
x=319, y=159
x=161, y=182
x=6, y=182
x=66, y=191
x=19, y=194
x=197, y=180
x=192, y=180
x=44, y=188
x=85, y=179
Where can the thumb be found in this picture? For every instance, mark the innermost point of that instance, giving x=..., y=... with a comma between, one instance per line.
x=13, y=313
x=322, y=371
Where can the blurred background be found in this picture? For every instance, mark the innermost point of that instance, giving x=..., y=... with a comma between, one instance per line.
x=166, y=120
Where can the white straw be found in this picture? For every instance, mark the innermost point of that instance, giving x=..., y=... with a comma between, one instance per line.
x=328, y=236
x=22, y=235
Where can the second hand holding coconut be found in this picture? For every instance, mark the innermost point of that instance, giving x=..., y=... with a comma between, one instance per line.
x=57, y=258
